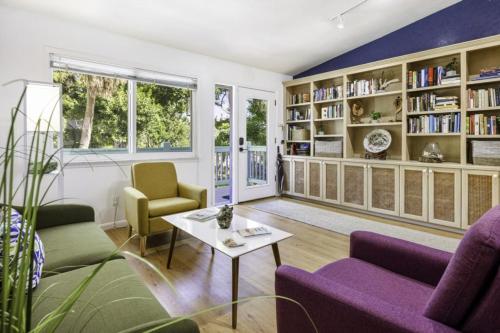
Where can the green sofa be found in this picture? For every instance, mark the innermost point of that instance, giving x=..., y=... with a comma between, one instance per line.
x=115, y=301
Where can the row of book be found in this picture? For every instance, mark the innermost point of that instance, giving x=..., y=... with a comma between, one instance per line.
x=480, y=124
x=362, y=87
x=448, y=123
x=487, y=73
x=483, y=98
x=432, y=102
x=332, y=111
x=323, y=94
x=300, y=98
x=431, y=76
x=299, y=114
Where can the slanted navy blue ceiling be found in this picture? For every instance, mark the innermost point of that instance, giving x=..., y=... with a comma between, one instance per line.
x=463, y=21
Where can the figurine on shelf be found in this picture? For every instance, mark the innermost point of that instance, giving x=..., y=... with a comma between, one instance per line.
x=385, y=83
x=398, y=105
x=357, y=112
x=452, y=67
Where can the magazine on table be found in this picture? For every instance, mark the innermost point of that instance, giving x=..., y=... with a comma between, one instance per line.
x=203, y=215
x=250, y=232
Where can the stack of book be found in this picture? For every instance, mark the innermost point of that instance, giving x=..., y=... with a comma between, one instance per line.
x=480, y=124
x=323, y=94
x=332, y=111
x=425, y=102
x=483, y=98
x=448, y=123
x=362, y=87
x=446, y=103
x=425, y=77
x=299, y=114
x=484, y=74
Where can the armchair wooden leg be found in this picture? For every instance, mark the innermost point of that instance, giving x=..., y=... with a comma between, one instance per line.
x=129, y=231
x=143, y=245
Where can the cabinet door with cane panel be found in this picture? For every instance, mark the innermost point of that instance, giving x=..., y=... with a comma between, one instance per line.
x=314, y=179
x=354, y=185
x=299, y=177
x=331, y=182
x=287, y=174
x=479, y=194
x=414, y=193
x=383, y=188
x=445, y=197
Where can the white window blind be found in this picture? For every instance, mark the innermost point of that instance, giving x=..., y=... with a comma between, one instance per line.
x=70, y=64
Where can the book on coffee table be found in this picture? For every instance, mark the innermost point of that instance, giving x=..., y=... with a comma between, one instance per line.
x=250, y=232
x=203, y=215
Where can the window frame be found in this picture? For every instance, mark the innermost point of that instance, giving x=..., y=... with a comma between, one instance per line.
x=131, y=154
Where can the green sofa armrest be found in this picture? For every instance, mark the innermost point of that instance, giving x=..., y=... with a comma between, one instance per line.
x=193, y=192
x=55, y=215
x=137, y=210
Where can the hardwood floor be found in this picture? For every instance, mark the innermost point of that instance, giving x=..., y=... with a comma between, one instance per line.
x=202, y=281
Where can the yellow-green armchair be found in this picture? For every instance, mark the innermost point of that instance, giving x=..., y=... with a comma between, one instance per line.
x=155, y=192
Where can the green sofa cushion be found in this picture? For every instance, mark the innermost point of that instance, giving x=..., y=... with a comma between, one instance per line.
x=160, y=207
x=71, y=246
x=116, y=300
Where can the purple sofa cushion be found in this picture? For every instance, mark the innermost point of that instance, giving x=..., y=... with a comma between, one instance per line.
x=378, y=282
x=485, y=317
x=469, y=273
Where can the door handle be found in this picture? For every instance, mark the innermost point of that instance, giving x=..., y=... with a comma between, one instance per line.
x=242, y=149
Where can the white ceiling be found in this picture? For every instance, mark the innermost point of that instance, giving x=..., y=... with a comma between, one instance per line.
x=285, y=36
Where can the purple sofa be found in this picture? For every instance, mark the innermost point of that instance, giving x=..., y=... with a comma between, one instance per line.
x=391, y=285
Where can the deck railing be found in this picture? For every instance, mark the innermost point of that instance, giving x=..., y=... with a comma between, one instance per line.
x=257, y=165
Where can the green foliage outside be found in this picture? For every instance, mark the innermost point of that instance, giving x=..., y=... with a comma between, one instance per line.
x=163, y=114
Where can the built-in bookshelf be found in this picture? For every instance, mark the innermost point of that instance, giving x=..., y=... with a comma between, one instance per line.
x=450, y=96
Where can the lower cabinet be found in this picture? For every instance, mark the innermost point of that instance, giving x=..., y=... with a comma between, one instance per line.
x=383, y=188
x=287, y=173
x=445, y=197
x=353, y=187
x=314, y=179
x=331, y=182
x=413, y=193
x=479, y=194
x=299, y=177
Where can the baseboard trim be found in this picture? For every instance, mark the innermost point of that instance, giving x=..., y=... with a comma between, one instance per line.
x=114, y=225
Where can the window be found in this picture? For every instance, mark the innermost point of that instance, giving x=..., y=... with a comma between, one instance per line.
x=100, y=101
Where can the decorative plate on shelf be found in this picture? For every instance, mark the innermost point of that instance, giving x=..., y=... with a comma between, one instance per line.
x=377, y=141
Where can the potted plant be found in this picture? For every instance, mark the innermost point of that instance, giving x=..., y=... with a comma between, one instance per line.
x=375, y=117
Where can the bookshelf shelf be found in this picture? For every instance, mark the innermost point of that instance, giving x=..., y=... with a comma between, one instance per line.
x=298, y=104
x=298, y=141
x=423, y=113
x=297, y=121
x=329, y=101
x=483, y=136
x=485, y=81
x=436, y=87
x=433, y=134
x=329, y=119
x=491, y=108
x=395, y=123
x=388, y=93
x=329, y=136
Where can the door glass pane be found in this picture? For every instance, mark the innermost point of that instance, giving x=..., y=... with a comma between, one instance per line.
x=256, y=139
x=222, y=113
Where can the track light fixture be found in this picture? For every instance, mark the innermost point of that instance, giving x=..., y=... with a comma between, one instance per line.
x=340, y=20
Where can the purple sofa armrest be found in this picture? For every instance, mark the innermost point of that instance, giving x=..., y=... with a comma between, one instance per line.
x=336, y=308
x=413, y=260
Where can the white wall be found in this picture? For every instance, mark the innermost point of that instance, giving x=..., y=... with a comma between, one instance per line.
x=25, y=42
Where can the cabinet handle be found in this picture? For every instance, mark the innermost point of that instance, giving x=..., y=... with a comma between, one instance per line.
x=369, y=167
x=430, y=171
x=495, y=176
x=424, y=171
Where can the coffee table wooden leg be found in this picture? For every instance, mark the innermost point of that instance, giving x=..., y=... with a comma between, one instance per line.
x=213, y=250
x=236, y=264
x=276, y=253
x=172, y=245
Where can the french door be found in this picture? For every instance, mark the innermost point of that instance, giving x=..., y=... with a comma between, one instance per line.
x=256, y=144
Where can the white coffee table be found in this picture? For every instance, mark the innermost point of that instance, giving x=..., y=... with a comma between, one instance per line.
x=210, y=233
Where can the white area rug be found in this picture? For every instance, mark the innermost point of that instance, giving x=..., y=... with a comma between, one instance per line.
x=345, y=224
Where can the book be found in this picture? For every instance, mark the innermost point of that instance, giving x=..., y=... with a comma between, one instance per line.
x=250, y=232
x=231, y=242
x=203, y=215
